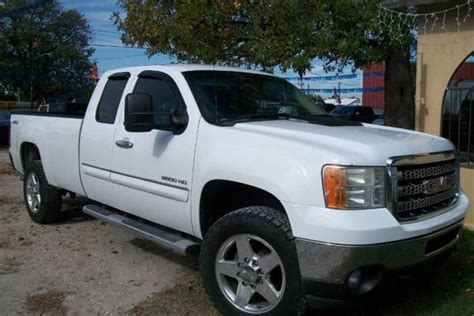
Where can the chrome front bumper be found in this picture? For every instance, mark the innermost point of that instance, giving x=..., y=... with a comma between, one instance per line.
x=332, y=263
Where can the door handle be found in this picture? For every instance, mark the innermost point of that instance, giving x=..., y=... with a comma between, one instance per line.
x=124, y=143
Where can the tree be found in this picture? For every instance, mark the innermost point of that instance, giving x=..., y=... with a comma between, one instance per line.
x=285, y=34
x=356, y=35
x=44, y=50
x=235, y=33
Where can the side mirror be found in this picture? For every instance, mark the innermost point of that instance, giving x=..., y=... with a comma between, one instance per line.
x=141, y=117
x=179, y=120
x=138, y=112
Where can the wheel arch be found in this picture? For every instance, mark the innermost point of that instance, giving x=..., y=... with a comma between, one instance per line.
x=220, y=197
x=29, y=152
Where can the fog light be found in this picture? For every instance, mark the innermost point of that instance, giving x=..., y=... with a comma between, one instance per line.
x=354, y=280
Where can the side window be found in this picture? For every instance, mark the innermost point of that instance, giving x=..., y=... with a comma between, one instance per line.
x=110, y=99
x=162, y=94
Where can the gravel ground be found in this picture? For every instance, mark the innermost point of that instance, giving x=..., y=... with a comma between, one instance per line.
x=80, y=265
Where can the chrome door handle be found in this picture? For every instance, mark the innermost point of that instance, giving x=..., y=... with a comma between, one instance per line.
x=124, y=143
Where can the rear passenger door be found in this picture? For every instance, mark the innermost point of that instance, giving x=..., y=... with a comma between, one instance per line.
x=97, y=137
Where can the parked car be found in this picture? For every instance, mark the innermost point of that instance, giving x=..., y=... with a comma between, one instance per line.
x=5, y=118
x=287, y=204
x=4, y=127
x=363, y=114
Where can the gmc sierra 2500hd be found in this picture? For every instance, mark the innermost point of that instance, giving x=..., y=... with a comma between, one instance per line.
x=285, y=202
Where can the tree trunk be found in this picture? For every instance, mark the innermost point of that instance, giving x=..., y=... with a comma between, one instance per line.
x=399, y=89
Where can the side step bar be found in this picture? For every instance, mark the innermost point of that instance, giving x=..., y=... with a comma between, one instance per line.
x=162, y=237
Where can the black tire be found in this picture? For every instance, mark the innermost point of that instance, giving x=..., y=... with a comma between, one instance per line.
x=273, y=227
x=50, y=204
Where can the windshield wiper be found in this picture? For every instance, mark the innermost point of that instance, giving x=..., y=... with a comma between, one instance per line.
x=275, y=116
x=261, y=117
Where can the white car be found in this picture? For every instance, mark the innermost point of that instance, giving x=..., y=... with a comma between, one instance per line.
x=287, y=204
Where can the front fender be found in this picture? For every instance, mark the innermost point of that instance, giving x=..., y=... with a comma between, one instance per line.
x=286, y=170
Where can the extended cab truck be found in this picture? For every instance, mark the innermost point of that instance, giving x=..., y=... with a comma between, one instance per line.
x=286, y=203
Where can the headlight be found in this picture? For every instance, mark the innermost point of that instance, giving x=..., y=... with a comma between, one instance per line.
x=354, y=187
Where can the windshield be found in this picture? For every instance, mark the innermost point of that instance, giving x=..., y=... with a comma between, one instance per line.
x=227, y=97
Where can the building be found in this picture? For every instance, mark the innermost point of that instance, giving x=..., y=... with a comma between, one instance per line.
x=445, y=78
x=373, y=86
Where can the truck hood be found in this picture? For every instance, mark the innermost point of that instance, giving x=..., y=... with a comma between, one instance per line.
x=366, y=144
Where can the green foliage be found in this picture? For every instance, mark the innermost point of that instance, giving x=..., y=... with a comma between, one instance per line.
x=44, y=49
x=265, y=34
x=288, y=34
x=356, y=34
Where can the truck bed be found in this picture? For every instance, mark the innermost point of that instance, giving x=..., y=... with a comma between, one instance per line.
x=57, y=137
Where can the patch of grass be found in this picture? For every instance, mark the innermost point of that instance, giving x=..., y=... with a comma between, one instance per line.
x=186, y=298
x=50, y=302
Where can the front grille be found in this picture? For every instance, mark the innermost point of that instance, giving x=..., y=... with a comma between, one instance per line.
x=426, y=172
x=422, y=185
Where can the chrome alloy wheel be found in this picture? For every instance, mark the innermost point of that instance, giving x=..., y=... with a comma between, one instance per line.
x=250, y=273
x=33, y=195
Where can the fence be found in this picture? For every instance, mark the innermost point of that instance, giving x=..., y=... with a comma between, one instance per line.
x=12, y=106
x=458, y=122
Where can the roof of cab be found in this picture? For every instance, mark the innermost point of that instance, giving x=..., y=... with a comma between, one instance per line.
x=183, y=68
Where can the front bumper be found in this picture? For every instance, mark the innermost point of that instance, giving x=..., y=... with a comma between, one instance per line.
x=332, y=263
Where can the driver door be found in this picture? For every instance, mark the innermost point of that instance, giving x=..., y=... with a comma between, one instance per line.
x=152, y=170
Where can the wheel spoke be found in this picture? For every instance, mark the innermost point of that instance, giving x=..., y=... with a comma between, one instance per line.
x=268, y=291
x=34, y=180
x=228, y=268
x=268, y=262
x=34, y=202
x=244, y=250
x=243, y=295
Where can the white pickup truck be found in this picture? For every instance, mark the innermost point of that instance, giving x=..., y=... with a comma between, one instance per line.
x=287, y=204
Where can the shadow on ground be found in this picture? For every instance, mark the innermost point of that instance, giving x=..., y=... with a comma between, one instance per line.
x=440, y=287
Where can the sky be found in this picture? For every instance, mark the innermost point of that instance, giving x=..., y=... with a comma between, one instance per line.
x=105, y=34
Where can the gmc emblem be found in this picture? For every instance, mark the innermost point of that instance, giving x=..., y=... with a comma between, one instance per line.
x=439, y=184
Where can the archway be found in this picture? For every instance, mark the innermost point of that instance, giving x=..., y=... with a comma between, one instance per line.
x=457, y=123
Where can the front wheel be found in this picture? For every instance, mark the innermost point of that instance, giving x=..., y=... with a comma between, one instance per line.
x=249, y=264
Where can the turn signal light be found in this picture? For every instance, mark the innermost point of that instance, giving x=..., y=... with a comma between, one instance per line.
x=334, y=184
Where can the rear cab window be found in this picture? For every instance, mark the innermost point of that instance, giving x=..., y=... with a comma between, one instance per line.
x=111, y=96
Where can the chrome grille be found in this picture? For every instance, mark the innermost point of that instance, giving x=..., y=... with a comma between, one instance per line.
x=426, y=172
x=422, y=186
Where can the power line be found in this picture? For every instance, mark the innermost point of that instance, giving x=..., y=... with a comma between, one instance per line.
x=108, y=41
x=114, y=46
x=120, y=57
x=107, y=35
x=104, y=31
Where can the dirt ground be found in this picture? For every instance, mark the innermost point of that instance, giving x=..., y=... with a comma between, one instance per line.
x=83, y=266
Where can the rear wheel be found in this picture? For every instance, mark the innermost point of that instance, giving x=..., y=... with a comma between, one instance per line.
x=42, y=200
x=249, y=264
